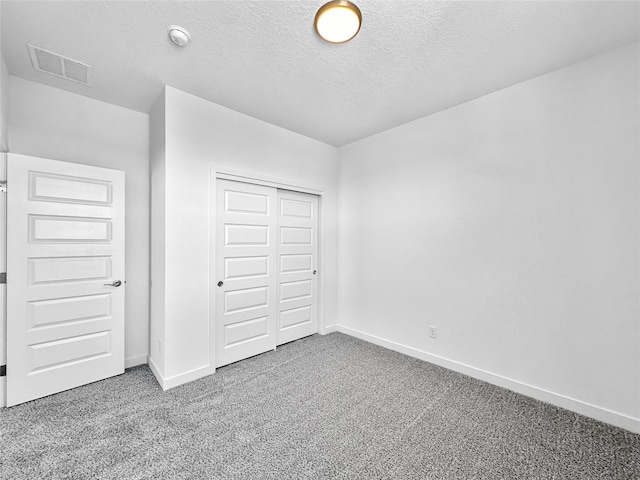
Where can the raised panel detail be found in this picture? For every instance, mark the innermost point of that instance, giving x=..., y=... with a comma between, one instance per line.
x=50, y=229
x=245, y=267
x=295, y=317
x=62, y=310
x=295, y=236
x=292, y=290
x=245, y=331
x=68, y=269
x=238, y=300
x=62, y=188
x=295, y=208
x=295, y=263
x=246, y=234
x=244, y=202
x=58, y=353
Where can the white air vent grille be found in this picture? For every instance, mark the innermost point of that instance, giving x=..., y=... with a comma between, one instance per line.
x=60, y=66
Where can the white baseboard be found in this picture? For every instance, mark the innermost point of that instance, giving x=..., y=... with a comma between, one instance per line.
x=182, y=378
x=135, y=361
x=329, y=329
x=3, y=389
x=156, y=371
x=578, y=406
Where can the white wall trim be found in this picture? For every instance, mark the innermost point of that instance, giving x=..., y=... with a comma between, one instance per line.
x=135, y=361
x=329, y=329
x=181, y=378
x=3, y=288
x=156, y=372
x=578, y=406
x=186, y=377
x=267, y=181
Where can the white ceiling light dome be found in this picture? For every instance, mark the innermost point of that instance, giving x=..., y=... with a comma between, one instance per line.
x=179, y=35
x=338, y=21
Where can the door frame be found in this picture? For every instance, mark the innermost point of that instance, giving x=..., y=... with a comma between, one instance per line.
x=225, y=173
x=3, y=287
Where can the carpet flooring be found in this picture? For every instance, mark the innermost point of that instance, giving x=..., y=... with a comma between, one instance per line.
x=323, y=407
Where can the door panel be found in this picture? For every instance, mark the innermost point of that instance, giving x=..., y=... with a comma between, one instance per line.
x=295, y=208
x=246, y=267
x=245, y=202
x=50, y=229
x=295, y=235
x=68, y=269
x=246, y=299
x=246, y=238
x=61, y=188
x=296, y=263
x=296, y=317
x=247, y=330
x=245, y=235
x=294, y=290
x=43, y=313
x=65, y=241
x=297, y=252
x=60, y=353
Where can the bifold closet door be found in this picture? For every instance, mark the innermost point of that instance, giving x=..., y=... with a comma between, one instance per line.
x=246, y=255
x=297, y=263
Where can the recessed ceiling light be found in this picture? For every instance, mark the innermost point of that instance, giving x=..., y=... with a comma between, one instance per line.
x=178, y=35
x=338, y=21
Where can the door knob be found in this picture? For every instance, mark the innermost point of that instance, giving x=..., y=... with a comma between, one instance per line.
x=220, y=283
x=116, y=283
x=315, y=271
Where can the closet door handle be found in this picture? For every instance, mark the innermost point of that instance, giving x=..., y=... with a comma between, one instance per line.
x=220, y=283
x=315, y=271
x=116, y=283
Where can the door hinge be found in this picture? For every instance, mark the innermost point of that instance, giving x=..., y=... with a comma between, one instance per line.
x=3, y=186
x=3, y=370
x=3, y=277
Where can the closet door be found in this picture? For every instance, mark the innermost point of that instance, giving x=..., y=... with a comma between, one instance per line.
x=246, y=240
x=297, y=263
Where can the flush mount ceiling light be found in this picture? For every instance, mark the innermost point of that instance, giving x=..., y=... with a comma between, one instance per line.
x=338, y=21
x=178, y=35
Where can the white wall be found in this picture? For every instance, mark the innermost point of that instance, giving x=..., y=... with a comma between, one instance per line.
x=157, y=168
x=52, y=123
x=511, y=223
x=199, y=134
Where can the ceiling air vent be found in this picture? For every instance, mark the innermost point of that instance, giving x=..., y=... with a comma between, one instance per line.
x=64, y=67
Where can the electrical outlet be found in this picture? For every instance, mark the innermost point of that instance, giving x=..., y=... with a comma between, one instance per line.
x=433, y=331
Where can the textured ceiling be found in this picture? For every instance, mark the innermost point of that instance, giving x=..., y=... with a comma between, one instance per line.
x=262, y=57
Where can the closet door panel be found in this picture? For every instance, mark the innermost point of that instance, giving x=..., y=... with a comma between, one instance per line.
x=297, y=263
x=246, y=270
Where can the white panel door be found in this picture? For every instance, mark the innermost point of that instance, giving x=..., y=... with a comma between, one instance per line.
x=65, y=276
x=245, y=301
x=297, y=263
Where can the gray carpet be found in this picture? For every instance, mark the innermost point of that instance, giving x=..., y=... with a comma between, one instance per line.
x=321, y=407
